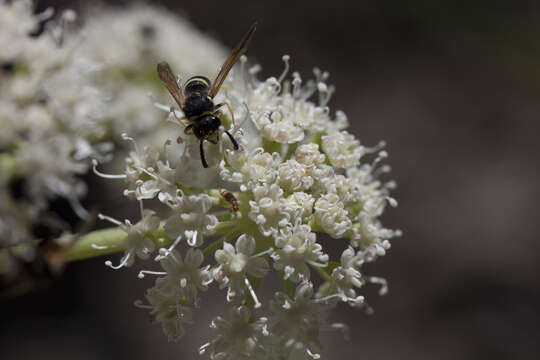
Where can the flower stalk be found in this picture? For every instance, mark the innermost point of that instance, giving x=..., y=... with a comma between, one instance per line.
x=108, y=241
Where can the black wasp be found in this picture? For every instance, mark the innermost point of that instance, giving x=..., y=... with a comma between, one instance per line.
x=201, y=116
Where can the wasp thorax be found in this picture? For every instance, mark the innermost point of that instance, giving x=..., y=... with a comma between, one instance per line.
x=197, y=84
x=197, y=104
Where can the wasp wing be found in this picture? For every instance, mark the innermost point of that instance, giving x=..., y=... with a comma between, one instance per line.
x=166, y=75
x=238, y=51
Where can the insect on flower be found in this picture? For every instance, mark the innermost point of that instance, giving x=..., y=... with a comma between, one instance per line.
x=196, y=99
x=230, y=198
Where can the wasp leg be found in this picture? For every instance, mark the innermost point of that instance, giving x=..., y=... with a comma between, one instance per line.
x=203, y=159
x=182, y=119
x=230, y=111
x=189, y=130
x=235, y=144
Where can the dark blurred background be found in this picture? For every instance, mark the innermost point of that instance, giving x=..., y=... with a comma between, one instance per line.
x=454, y=89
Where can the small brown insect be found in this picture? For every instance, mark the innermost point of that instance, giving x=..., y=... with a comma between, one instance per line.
x=229, y=197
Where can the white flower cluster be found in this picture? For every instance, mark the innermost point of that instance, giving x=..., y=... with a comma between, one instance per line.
x=68, y=93
x=297, y=176
x=259, y=208
x=51, y=120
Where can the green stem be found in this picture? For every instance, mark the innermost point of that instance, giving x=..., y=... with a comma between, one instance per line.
x=316, y=138
x=7, y=165
x=210, y=249
x=83, y=248
x=113, y=239
x=288, y=287
x=271, y=146
x=291, y=149
x=326, y=276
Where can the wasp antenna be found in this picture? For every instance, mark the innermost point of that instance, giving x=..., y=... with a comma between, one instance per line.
x=203, y=159
x=233, y=140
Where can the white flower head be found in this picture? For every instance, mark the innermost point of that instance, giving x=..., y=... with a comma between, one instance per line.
x=299, y=321
x=297, y=249
x=331, y=216
x=237, y=337
x=267, y=209
x=16, y=21
x=235, y=263
x=299, y=205
x=184, y=278
x=280, y=108
x=50, y=113
x=343, y=149
x=274, y=114
x=250, y=168
x=50, y=167
x=137, y=242
x=279, y=127
x=346, y=279
x=168, y=311
x=309, y=154
x=190, y=219
x=293, y=176
x=140, y=163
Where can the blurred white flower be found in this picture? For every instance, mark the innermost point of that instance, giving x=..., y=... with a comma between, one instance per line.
x=51, y=116
x=297, y=248
x=137, y=243
x=190, y=219
x=235, y=263
x=184, y=278
x=237, y=337
x=169, y=311
x=300, y=321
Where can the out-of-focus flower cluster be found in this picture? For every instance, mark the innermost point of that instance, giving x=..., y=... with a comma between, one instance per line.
x=51, y=116
x=67, y=93
x=298, y=176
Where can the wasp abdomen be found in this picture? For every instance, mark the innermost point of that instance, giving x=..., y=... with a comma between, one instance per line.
x=197, y=84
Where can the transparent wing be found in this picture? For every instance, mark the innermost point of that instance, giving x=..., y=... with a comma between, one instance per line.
x=166, y=75
x=231, y=60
